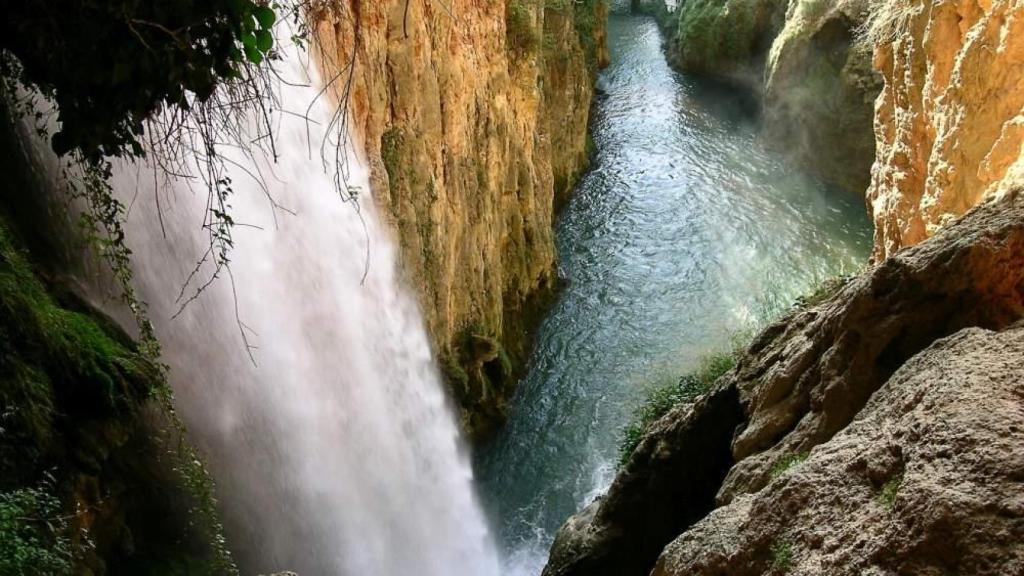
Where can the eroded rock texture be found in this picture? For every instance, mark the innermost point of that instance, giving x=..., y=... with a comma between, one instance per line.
x=801, y=382
x=929, y=479
x=950, y=122
x=473, y=117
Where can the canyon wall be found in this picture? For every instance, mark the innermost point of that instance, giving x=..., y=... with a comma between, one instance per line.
x=820, y=91
x=802, y=58
x=473, y=116
x=950, y=122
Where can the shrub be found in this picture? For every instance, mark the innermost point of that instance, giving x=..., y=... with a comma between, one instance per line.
x=33, y=539
x=109, y=66
x=661, y=399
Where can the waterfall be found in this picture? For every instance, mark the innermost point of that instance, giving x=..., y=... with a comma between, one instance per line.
x=335, y=452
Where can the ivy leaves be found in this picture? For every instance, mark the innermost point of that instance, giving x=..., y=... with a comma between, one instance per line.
x=256, y=37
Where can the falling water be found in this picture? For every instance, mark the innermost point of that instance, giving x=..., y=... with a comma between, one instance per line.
x=335, y=452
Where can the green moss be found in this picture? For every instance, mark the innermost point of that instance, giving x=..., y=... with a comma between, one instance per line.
x=521, y=33
x=659, y=400
x=585, y=21
x=391, y=142
x=72, y=392
x=887, y=495
x=47, y=350
x=782, y=557
x=786, y=463
x=719, y=36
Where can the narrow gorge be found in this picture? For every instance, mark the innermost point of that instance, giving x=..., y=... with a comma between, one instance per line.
x=517, y=288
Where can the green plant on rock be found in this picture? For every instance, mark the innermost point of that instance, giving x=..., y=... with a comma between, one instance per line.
x=659, y=400
x=889, y=491
x=782, y=557
x=59, y=366
x=786, y=463
x=33, y=533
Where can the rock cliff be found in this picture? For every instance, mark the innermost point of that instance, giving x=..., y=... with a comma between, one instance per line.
x=950, y=121
x=798, y=388
x=820, y=90
x=473, y=116
x=927, y=480
x=802, y=58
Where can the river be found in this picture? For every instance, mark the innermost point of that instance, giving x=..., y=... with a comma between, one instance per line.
x=685, y=232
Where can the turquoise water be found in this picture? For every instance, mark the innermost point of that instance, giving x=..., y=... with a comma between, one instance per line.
x=685, y=231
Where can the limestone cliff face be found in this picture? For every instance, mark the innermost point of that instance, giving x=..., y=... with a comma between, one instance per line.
x=802, y=58
x=728, y=39
x=853, y=384
x=473, y=116
x=820, y=90
x=950, y=122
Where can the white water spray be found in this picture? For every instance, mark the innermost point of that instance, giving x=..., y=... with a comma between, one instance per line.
x=338, y=454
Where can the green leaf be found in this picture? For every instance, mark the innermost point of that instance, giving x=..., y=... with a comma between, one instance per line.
x=254, y=55
x=266, y=17
x=248, y=42
x=264, y=41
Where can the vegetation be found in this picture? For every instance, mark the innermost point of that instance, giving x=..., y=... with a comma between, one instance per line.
x=586, y=22
x=787, y=462
x=723, y=35
x=660, y=400
x=887, y=495
x=391, y=142
x=109, y=66
x=33, y=539
x=520, y=31
x=72, y=386
x=782, y=557
x=887, y=19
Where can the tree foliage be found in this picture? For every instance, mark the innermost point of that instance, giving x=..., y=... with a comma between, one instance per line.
x=109, y=65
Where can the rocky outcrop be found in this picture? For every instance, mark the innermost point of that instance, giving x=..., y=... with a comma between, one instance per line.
x=728, y=39
x=669, y=484
x=927, y=480
x=820, y=90
x=950, y=122
x=803, y=58
x=802, y=381
x=474, y=118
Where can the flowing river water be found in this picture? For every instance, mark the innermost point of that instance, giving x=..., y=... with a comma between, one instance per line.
x=685, y=231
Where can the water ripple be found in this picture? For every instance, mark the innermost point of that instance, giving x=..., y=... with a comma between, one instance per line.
x=685, y=230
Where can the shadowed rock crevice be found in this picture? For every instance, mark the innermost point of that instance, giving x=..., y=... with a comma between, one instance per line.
x=669, y=482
